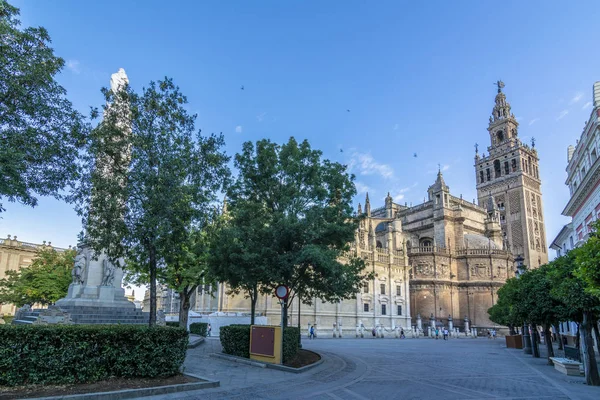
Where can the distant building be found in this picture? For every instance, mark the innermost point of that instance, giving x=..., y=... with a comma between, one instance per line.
x=583, y=180
x=204, y=300
x=15, y=255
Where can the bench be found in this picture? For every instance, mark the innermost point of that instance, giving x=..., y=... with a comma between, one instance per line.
x=566, y=366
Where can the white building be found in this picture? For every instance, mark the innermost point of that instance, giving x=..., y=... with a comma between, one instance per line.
x=583, y=180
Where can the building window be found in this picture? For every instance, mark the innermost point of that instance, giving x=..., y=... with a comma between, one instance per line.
x=500, y=136
x=488, y=174
x=366, y=288
x=506, y=170
x=398, y=290
x=383, y=310
x=382, y=286
x=514, y=165
x=366, y=307
x=481, y=177
x=497, y=169
x=399, y=310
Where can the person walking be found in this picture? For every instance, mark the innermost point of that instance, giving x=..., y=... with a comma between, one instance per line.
x=445, y=334
x=402, y=334
x=494, y=334
x=437, y=333
x=208, y=329
x=311, y=332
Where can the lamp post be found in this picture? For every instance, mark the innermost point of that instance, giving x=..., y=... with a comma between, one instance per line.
x=526, y=337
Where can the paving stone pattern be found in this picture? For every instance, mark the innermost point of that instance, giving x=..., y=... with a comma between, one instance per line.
x=391, y=369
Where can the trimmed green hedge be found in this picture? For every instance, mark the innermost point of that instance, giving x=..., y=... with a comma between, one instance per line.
x=59, y=354
x=235, y=340
x=172, y=324
x=199, y=328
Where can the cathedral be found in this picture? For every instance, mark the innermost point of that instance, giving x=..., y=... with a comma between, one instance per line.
x=442, y=260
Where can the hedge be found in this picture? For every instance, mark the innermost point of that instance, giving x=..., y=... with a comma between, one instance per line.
x=172, y=324
x=199, y=328
x=61, y=354
x=235, y=340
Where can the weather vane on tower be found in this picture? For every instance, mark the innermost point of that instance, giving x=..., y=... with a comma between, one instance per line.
x=500, y=85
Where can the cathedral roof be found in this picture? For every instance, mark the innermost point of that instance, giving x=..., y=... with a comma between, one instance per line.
x=474, y=241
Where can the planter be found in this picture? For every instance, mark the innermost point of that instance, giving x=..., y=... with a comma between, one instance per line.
x=514, y=341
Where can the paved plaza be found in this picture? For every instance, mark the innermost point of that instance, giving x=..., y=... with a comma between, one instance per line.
x=391, y=369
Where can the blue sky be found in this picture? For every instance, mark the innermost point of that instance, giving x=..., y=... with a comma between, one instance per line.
x=417, y=78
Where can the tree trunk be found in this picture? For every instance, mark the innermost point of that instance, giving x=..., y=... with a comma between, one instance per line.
x=185, y=304
x=595, y=325
x=577, y=341
x=535, y=350
x=253, y=300
x=152, y=266
x=511, y=329
x=549, y=347
x=587, y=346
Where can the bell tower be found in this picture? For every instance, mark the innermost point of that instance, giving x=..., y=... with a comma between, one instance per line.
x=509, y=175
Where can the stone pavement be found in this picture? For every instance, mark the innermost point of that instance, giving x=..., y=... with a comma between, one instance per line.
x=391, y=369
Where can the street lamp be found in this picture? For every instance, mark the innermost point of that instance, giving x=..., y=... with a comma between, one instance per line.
x=526, y=337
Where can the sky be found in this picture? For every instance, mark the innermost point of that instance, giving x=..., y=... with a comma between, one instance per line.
x=370, y=84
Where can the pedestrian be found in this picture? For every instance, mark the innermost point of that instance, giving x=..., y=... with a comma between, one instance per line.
x=402, y=334
x=445, y=334
x=312, y=332
x=437, y=333
x=494, y=334
x=489, y=334
x=374, y=332
x=208, y=329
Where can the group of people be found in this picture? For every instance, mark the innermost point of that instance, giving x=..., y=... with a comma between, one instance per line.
x=444, y=333
x=491, y=334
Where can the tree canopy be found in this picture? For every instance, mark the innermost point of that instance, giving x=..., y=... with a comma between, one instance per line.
x=149, y=178
x=45, y=281
x=289, y=221
x=40, y=132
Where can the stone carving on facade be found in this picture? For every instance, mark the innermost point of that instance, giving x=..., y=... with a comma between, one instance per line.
x=425, y=269
x=79, y=268
x=444, y=271
x=480, y=270
x=108, y=275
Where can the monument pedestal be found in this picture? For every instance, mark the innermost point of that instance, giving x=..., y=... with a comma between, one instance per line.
x=96, y=295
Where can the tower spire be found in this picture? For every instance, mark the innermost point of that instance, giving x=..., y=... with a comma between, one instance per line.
x=502, y=107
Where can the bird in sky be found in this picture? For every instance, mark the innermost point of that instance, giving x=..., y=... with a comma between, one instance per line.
x=347, y=110
x=415, y=155
x=341, y=150
x=242, y=87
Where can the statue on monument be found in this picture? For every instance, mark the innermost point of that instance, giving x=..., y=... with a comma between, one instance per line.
x=78, y=268
x=118, y=80
x=108, y=273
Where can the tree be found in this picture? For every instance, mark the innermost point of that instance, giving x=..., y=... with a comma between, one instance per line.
x=148, y=178
x=186, y=268
x=588, y=259
x=504, y=312
x=291, y=223
x=578, y=306
x=40, y=132
x=45, y=281
x=538, y=305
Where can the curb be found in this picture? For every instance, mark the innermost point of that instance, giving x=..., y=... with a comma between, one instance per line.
x=259, y=364
x=195, y=342
x=142, y=392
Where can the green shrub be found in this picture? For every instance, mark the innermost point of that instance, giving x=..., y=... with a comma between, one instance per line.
x=60, y=354
x=199, y=328
x=8, y=318
x=235, y=340
x=172, y=324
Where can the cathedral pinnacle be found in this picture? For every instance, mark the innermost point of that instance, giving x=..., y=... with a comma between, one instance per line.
x=502, y=108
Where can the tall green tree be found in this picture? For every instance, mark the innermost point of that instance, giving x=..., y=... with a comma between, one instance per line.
x=45, y=281
x=291, y=223
x=578, y=306
x=40, y=132
x=505, y=312
x=149, y=177
x=588, y=261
